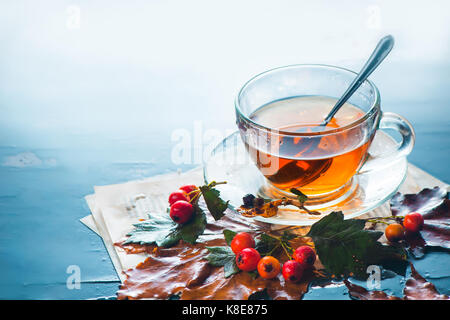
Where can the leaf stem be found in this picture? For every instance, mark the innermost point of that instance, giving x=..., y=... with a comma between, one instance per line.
x=311, y=212
x=212, y=184
x=388, y=218
x=382, y=219
x=377, y=221
x=286, y=250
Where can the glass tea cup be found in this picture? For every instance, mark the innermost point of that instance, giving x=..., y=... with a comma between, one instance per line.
x=279, y=114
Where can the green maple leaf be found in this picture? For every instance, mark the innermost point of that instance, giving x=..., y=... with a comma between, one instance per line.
x=160, y=229
x=216, y=206
x=344, y=246
x=229, y=235
x=223, y=256
x=267, y=244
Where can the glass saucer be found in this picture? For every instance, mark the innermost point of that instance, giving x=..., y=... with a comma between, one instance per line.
x=230, y=162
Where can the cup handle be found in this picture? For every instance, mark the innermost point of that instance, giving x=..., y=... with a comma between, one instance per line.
x=390, y=120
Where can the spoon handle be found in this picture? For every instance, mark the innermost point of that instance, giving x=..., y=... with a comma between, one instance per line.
x=381, y=51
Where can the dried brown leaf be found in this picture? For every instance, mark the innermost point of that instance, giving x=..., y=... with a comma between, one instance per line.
x=416, y=288
x=434, y=205
x=184, y=271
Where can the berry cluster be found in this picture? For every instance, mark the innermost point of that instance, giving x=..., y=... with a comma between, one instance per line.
x=412, y=223
x=268, y=267
x=181, y=203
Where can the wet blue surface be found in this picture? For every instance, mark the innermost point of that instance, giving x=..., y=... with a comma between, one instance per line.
x=98, y=104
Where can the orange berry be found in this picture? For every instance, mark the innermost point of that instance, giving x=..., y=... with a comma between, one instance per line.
x=394, y=232
x=269, y=267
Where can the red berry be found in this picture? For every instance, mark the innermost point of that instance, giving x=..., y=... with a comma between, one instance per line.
x=188, y=188
x=304, y=255
x=247, y=259
x=292, y=271
x=269, y=267
x=394, y=232
x=241, y=241
x=178, y=195
x=181, y=211
x=413, y=222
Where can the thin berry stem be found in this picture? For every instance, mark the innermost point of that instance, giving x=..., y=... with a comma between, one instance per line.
x=212, y=184
x=377, y=221
x=195, y=197
x=194, y=192
x=286, y=250
x=382, y=219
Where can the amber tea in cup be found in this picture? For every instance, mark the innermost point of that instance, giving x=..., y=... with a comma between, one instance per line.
x=279, y=113
x=315, y=169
